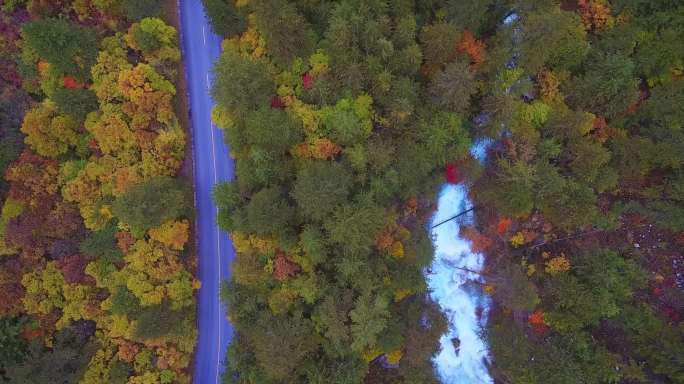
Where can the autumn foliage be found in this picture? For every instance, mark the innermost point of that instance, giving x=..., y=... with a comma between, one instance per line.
x=33, y=178
x=389, y=241
x=71, y=264
x=284, y=268
x=277, y=103
x=10, y=283
x=452, y=173
x=338, y=157
x=321, y=149
x=368, y=112
x=557, y=265
x=548, y=84
x=596, y=14
x=503, y=225
x=411, y=206
x=537, y=321
x=173, y=234
x=479, y=242
x=472, y=47
x=71, y=82
x=307, y=80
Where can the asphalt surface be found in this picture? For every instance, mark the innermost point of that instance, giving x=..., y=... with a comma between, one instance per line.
x=201, y=48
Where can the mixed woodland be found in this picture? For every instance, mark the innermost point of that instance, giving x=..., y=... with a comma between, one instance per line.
x=345, y=117
x=96, y=276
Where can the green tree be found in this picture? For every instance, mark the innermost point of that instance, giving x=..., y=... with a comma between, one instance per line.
x=313, y=243
x=160, y=321
x=119, y=371
x=241, y=84
x=443, y=137
x=553, y=38
x=155, y=39
x=600, y=284
x=227, y=199
x=563, y=360
x=654, y=340
x=514, y=289
x=438, y=42
x=348, y=122
x=152, y=203
x=259, y=168
x=369, y=318
x=71, y=49
x=655, y=128
x=469, y=14
x=607, y=87
x=658, y=53
x=511, y=191
x=14, y=347
x=288, y=35
x=151, y=34
x=368, y=45
x=331, y=315
x=139, y=9
x=421, y=342
x=452, y=88
x=281, y=344
x=124, y=302
x=565, y=202
x=76, y=103
x=225, y=18
x=346, y=370
x=269, y=213
x=65, y=362
x=272, y=129
x=354, y=227
x=12, y=107
x=102, y=244
x=321, y=187
x=590, y=164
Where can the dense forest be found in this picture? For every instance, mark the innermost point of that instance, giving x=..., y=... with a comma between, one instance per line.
x=337, y=164
x=344, y=118
x=97, y=282
x=582, y=202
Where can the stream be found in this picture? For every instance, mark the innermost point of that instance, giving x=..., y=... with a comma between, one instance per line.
x=453, y=280
x=464, y=356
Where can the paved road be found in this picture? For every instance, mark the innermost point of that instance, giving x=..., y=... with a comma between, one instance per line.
x=201, y=47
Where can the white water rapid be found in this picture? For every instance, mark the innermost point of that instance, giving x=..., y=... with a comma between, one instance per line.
x=464, y=355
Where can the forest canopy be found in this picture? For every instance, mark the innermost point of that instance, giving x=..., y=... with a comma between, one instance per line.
x=95, y=218
x=337, y=164
x=345, y=117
